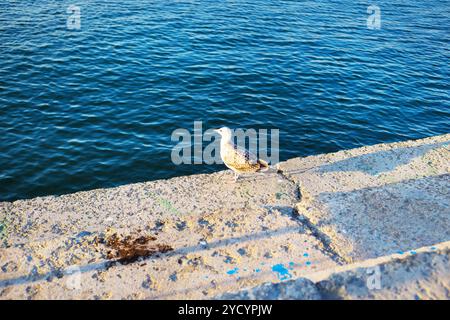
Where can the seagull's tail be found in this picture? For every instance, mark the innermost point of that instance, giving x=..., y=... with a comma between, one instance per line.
x=266, y=168
x=263, y=166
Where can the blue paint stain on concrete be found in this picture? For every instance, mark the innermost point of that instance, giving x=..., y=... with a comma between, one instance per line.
x=233, y=271
x=283, y=273
x=308, y=263
x=257, y=270
x=305, y=255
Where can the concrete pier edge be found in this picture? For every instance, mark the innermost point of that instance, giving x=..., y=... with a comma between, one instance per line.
x=366, y=223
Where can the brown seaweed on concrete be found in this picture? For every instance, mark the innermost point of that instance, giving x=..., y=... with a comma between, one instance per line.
x=129, y=249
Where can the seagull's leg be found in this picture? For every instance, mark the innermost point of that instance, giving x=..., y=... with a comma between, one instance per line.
x=236, y=176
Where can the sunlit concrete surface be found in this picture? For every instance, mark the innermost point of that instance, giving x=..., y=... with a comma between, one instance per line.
x=203, y=236
x=420, y=274
x=376, y=200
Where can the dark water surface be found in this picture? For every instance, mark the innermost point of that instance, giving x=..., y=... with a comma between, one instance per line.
x=95, y=107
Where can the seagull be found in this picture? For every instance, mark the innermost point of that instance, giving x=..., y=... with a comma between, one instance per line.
x=237, y=159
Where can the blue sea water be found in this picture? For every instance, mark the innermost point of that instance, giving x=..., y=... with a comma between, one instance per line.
x=95, y=107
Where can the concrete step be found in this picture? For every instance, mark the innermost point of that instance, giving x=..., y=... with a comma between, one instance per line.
x=421, y=274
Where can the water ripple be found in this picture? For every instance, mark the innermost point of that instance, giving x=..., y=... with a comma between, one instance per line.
x=96, y=107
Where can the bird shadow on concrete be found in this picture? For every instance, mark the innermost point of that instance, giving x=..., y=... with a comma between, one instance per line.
x=377, y=162
x=248, y=177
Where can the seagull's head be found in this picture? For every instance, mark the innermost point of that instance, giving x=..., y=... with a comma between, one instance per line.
x=224, y=132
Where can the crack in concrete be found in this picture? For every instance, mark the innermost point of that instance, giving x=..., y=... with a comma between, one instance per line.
x=305, y=222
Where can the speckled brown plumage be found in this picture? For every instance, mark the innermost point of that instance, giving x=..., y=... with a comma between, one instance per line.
x=237, y=159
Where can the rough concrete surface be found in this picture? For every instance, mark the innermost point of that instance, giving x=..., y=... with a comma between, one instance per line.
x=224, y=235
x=298, y=289
x=376, y=200
x=418, y=276
x=421, y=275
x=202, y=236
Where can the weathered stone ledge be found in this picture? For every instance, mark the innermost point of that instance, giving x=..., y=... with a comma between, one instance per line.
x=423, y=273
x=204, y=235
